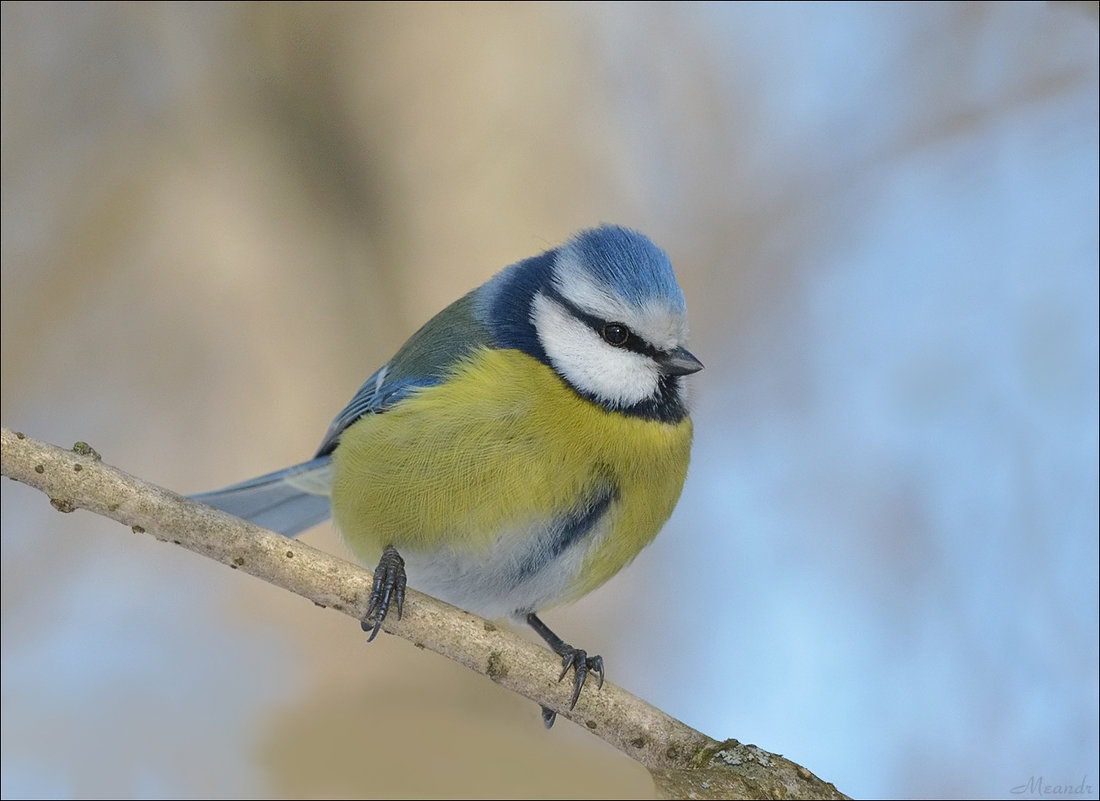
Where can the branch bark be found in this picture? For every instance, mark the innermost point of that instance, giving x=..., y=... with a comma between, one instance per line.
x=684, y=763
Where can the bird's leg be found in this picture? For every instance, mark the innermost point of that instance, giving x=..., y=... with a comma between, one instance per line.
x=389, y=585
x=571, y=657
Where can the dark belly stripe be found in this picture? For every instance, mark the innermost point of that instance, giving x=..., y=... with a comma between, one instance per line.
x=564, y=534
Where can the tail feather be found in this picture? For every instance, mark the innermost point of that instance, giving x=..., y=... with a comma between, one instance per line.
x=288, y=501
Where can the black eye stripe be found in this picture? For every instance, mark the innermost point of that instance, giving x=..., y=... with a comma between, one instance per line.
x=632, y=342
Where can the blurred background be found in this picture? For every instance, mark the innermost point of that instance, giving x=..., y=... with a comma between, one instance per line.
x=218, y=219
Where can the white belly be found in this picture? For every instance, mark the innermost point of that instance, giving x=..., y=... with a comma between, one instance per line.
x=522, y=572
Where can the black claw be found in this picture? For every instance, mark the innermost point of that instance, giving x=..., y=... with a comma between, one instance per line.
x=595, y=664
x=548, y=717
x=389, y=586
x=582, y=664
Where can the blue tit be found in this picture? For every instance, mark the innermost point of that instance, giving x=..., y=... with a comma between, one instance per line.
x=519, y=449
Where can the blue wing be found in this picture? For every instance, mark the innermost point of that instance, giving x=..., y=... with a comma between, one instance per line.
x=297, y=498
x=423, y=361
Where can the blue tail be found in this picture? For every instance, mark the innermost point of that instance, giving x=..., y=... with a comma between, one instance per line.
x=288, y=501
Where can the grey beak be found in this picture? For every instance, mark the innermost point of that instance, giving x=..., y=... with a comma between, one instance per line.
x=680, y=362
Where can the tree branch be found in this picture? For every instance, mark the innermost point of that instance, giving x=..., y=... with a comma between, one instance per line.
x=683, y=762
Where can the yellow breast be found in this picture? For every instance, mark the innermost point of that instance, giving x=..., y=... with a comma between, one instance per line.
x=498, y=452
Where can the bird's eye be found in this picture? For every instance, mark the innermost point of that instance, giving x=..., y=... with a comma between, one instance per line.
x=615, y=334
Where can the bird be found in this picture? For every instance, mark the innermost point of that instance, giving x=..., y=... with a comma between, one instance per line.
x=523, y=446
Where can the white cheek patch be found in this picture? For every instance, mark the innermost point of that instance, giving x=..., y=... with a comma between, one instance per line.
x=615, y=376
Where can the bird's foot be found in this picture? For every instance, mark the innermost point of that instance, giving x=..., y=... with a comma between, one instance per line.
x=389, y=586
x=575, y=658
